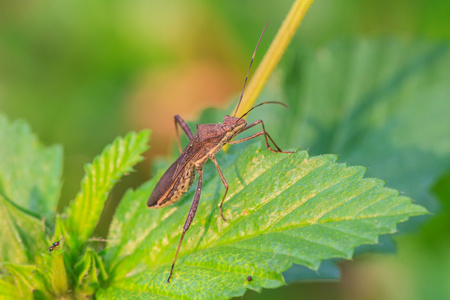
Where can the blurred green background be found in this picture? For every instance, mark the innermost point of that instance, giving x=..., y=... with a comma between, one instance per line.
x=83, y=72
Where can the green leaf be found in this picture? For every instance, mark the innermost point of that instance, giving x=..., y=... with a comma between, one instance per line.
x=47, y=277
x=53, y=264
x=328, y=270
x=131, y=223
x=21, y=234
x=281, y=209
x=380, y=103
x=116, y=160
x=89, y=270
x=29, y=172
x=58, y=274
x=23, y=278
x=31, y=281
x=8, y=290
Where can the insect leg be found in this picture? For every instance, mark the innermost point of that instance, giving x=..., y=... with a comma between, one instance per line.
x=266, y=135
x=247, y=138
x=190, y=217
x=224, y=183
x=185, y=127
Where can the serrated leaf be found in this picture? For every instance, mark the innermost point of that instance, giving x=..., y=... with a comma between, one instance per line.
x=30, y=282
x=381, y=103
x=116, y=160
x=53, y=263
x=29, y=172
x=328, y=270
x=58, y=274
x=130, y=218
x=281, y=209
x=89, y=270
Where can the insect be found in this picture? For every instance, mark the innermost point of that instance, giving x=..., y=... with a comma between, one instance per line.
x=249, y=278
x=54, y=245
x=207, y=141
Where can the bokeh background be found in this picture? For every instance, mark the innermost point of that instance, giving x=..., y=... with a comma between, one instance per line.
x=83, y=72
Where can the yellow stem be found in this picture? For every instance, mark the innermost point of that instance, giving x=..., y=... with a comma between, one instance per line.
x=274, y=53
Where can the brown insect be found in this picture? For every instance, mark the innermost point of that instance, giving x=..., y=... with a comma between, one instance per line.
x=207, y=141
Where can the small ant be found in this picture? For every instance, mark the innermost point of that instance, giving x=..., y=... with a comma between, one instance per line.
x=54, y=246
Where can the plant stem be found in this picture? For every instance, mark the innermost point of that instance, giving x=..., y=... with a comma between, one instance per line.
x=274, y=53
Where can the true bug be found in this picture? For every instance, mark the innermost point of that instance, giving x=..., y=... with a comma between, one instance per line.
x=54, y=245
x=207, y=141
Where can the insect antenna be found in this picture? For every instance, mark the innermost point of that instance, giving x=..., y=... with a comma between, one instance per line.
x=267, y=102
x=248, y=71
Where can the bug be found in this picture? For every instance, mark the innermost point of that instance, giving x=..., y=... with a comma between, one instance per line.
x=54, y=245
x=207, y=141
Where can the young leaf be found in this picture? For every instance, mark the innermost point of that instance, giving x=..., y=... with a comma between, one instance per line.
x=88, y=270
x=22, y=275
x=281, y=209
x=21, y=234
x=29, y=172
x=116, y=160
x=58, y=274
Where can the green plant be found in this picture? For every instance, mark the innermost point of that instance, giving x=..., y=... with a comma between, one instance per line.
x=282, y=209
x=313, y=209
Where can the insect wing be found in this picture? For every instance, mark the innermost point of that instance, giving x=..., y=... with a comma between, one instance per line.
x=169, y=178
x=163, y=185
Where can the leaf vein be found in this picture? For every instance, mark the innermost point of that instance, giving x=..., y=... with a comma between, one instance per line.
x=221, y=270
x=294, y=207
x=257, y=208
x=342, y=252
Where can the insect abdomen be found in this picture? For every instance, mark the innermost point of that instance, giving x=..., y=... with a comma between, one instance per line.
x=168, y=190
x=180, y=188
